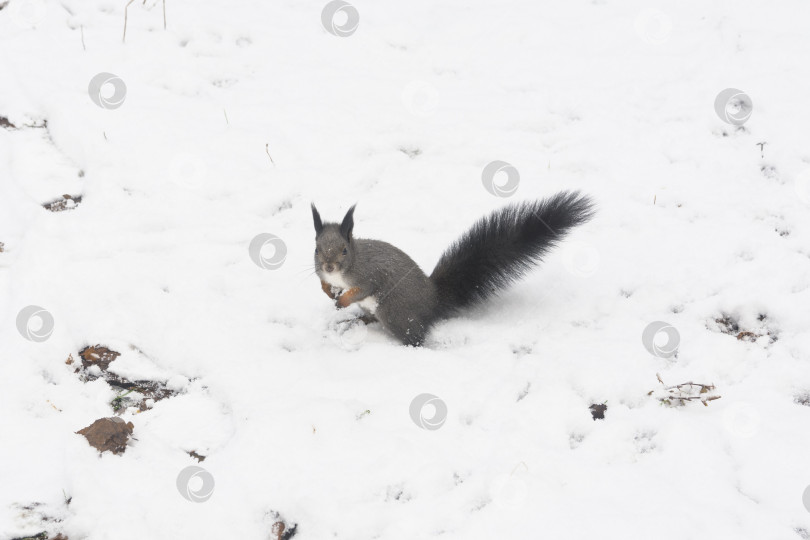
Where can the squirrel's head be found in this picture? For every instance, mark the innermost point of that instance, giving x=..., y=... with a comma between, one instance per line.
x=334, y=244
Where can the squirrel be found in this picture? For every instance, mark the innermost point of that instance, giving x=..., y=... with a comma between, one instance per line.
x=391, y=288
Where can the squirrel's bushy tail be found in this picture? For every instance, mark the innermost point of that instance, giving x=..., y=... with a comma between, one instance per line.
x=500, y=248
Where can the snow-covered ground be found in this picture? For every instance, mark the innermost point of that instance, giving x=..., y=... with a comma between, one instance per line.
x=239, y=114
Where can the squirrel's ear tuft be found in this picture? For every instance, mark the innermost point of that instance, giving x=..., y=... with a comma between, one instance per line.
x=316, y=217
x=348, y=224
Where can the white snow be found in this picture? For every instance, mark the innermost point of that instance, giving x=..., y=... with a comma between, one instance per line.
x=369, y=304
x=240, y=114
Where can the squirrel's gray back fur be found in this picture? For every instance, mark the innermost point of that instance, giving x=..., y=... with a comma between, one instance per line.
x=405, y=297
x=496, y=251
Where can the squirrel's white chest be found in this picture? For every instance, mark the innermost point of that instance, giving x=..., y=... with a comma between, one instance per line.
x=335, y=279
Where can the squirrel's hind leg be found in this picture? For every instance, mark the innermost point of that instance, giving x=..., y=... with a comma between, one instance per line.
x=414, y=335
x=410, y=331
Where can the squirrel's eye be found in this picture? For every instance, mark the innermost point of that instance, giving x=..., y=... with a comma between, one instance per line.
x=316, y=250
x=345, y=251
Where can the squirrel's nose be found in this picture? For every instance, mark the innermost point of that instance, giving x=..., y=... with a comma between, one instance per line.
x=330, y=267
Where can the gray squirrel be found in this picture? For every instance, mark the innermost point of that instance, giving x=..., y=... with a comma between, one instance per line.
x=391, y=288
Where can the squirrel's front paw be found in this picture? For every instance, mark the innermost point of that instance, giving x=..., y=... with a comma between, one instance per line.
x=331, y=292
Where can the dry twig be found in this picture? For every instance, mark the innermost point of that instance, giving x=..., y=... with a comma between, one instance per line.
x=679, y=394
x=126, y=9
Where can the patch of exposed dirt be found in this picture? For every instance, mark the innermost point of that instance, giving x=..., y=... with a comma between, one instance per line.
x=5, y=123
x=728, y=324
x=197, y=456
x=40, y=517
x=43, y=535
x=598, y=410
x=97, y=355
x=281, y=529
x=66, y=202
x=138, y=393
x=108, y=434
